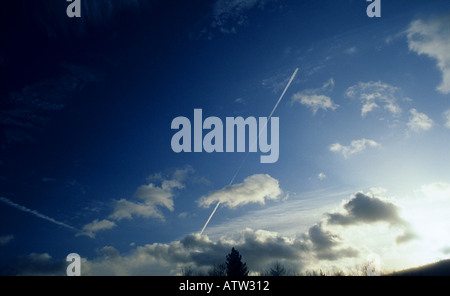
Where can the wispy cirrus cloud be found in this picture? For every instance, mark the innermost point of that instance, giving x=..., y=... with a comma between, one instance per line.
x=356, y=146
x=375, y=95
x=351, y=50
x=432, y=38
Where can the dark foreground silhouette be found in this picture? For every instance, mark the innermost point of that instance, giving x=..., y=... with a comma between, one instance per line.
x=441, y=268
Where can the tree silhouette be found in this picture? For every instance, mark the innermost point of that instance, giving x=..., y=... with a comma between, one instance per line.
x=234, y=264
x=218, y=270
x=277, y=270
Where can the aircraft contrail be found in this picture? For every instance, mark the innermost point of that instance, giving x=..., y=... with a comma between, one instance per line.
x=245, y=158
x=36, y=213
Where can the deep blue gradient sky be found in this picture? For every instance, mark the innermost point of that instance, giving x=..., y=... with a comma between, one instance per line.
x=87, y=103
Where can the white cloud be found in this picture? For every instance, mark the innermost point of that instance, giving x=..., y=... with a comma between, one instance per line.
x=321, y=176
x=259, y=249
x=240, y=101
x=321, y=245
x=125, y=209
x=419, y=121
x=351, y=50
x=437, y=191
x=159, y=196
x=432, y=38
x=374, y=95
x=92, y=228
x=151, y=198
x=255, y=189
x=447, y=118
x=315, y=102
x=6, y=239
x=355, y=146
x=315, y=98
x=377, y=191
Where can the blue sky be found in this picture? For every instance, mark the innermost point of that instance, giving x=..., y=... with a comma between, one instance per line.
x=86, y=164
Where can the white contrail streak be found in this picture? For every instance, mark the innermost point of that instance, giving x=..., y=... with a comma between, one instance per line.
x=36, y=213
x=245, y=158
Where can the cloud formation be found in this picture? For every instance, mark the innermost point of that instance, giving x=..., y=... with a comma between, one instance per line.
x=419, y=121
x=318, y=244
x=35, y=264
x=356, y=146
x=254, y=189
x=374, y=95
x=365, y=209
x=315, y=99
x=259, y=249
x=153, y=197
x=437, y=191
x=147, y=202
x=432, y=38
x=125, y=209
x=91, y=228
x=447, y=118
x=6, y=239
x=325, y=243
x=321, y=176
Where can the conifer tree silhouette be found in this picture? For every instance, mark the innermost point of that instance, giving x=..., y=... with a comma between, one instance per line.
x=234, y=264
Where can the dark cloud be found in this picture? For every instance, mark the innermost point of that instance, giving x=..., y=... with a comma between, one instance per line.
x=325, y=244
x=36, y=265
x=363, y=208
x=321, y=239
x=259, y=248
x=446, y=250
x=407, y=235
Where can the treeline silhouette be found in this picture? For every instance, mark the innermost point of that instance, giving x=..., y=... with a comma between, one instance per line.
x=234, y=266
